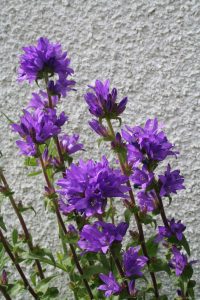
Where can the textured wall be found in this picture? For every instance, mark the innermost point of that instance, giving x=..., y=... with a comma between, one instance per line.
x=149, y=50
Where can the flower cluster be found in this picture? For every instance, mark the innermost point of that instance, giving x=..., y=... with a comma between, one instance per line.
x=133, y=262
x=43, y=61
x=147, y=146
x=174, y=229
x=100, y=236
x=110, y=286
x=36, y=128
x=102, y=103
x=86, y=187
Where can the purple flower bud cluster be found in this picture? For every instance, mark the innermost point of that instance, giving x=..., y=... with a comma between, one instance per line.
x=86, y=187
x=174, y=229
x=147, y=146
x=102, y=102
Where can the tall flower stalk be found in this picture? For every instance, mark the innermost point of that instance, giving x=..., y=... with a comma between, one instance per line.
x=28, y=237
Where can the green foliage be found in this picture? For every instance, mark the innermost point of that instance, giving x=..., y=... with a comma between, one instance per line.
x=2, y=224
x=152, y=247
x=158, y=265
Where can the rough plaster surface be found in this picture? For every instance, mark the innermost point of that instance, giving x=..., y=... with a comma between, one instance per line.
x=149, y=50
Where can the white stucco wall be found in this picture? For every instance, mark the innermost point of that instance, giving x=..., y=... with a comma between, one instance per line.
x=149, y=50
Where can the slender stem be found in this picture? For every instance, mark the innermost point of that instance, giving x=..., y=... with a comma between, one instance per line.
x=4, y=292
x=22, y=222
x=162, y=211
x=62, y=225
x=19, y=269
x=137, y=218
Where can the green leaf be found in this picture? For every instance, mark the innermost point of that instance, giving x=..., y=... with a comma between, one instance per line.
x=159, y=265
x=187, y=273
x=2, y=224
x=44, y=284
x=152, y=246
x=34, y=173
x=15, y=236
x=147, y=219
x=8, y=119
x=185, y=244
x=127, y=214
x=25, y=208
x=93, y=270
x=30, y=162
x=51, y=293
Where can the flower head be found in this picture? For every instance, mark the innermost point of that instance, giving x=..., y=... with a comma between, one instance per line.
x=100, y=236
x=40, y=100
x=43, y=59
x=178, y=262
x=87, y=186
x=149, y=140
x=142, y=178
x=133, y=262
x=99, y=128
x=69, y=144
x=102, y=103
x=36, y=128
x=147, y=201
x=171, y=182
x=111, y=286
x=174, y=229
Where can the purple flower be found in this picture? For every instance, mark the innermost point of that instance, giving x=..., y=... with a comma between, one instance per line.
x=133, y=262
x=102, y=102
x=100, y=236
x=61, y=87
x=171, y=182
x=87, y=186
x=99, y=128
x=174, y=229
x=150, y=141
x=142, y=178
x=43, y=59
x=132, y=289
x=111, y=286
x=134, y=155
x=4, y=278
x=41, y=100
x=36, y=128
x=69, y=144
x=178, y=262
x=147, y=201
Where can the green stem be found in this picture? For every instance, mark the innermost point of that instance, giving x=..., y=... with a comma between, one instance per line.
x=22, y=222
x=4, y=292
x=19, y=269
x=62, y=225
x=137, y=218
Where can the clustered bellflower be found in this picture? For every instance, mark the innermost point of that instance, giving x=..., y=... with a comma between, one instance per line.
x=102, y=102
x=100, y=236
x=171, y=182
x=133, y=262
x=86, y=187
x=36, y=128
x=178, y=262
x=44, y=60
x=110, y=286
x=149, y=141
x=174, y=229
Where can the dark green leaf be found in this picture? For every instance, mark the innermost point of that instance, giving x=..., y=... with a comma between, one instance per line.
x=152, y=246
x=15, y=236
x=44, y=284
x=185, y=244
x=158, y=265
x=2, y=224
